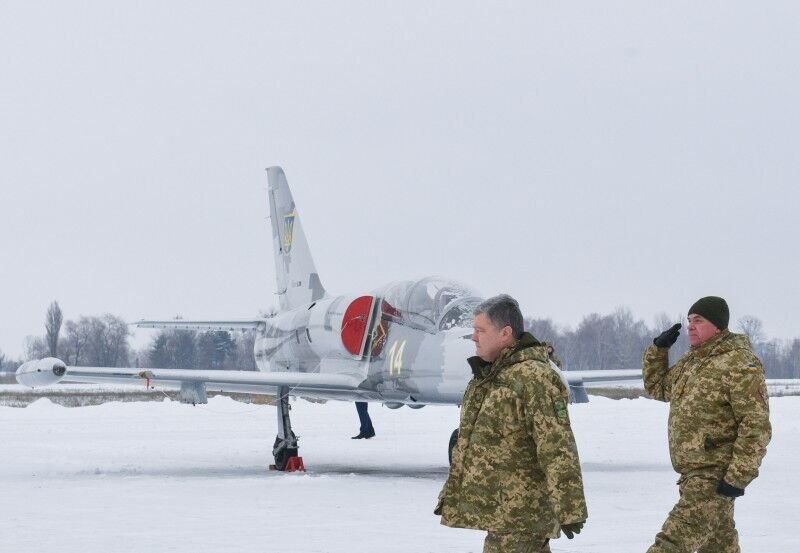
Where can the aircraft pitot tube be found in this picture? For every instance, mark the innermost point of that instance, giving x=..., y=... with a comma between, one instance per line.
x=43, y=372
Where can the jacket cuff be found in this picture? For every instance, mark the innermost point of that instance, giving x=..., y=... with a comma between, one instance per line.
x=729, y=490
x=577, y=513
x=740, y=483
x=655, y=350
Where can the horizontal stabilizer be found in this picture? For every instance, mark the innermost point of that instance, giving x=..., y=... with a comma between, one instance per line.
x=612, y=375
x=180, y=324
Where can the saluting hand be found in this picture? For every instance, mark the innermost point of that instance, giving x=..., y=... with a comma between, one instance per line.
x=667, y=338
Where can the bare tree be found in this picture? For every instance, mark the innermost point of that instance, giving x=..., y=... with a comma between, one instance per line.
x=542, y=329
x=245, y=346
x=107, y=344
x=97, y=341
x=75, y=341
x=629, y=338
x=35, y=348
x=116, y=341
x=157, y=355
x=662, y=322
x=752, y=327
x=183, y=349
x=7, y=369
x=793, y=361
x=204, y=355
x=52, y=326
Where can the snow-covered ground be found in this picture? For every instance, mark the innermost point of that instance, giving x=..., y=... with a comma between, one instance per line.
x=170, y=477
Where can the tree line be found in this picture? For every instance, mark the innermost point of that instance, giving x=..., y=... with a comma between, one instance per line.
x=618, y=340
x=613, y=341
x=104, y=341
x=186, y=349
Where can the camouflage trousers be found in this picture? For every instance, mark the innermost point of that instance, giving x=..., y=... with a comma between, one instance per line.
x=701, y=521
x=512, y=542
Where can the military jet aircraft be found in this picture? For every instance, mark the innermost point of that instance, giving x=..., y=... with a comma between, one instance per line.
x=403, y=344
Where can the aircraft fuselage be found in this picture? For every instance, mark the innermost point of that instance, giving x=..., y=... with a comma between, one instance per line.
x=400, y=360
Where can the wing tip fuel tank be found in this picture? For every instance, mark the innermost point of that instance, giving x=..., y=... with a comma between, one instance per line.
x=43, y=372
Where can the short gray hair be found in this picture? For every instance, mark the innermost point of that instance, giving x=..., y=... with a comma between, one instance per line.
x=502, y=311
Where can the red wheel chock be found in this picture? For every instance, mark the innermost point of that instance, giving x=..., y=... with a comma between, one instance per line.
x=295, y=464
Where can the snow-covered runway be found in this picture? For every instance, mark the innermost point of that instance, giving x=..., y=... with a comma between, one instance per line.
x=170, y=477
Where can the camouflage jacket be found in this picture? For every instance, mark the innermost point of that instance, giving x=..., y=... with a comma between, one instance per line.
x=552, y=354
x=719, y=412
x=515, y=465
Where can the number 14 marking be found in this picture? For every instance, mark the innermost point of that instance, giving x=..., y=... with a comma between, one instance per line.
x=396, y=358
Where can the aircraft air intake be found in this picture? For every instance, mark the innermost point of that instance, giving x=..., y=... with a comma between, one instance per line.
x=355, y=324
x=331, y=329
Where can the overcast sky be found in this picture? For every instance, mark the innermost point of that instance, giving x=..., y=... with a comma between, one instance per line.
x=579, y=156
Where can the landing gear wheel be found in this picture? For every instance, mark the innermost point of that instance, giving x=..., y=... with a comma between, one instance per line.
x=282, y=451
x=453, y=440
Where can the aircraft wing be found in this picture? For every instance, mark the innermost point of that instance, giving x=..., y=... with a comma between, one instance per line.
x=578, y=377
x=180, y=324
x=51, y=370
x=576, y=381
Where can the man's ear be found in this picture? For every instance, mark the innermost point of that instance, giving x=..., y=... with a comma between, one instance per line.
x=507, y=332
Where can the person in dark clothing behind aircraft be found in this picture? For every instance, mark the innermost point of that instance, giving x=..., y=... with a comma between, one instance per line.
x=366, y=431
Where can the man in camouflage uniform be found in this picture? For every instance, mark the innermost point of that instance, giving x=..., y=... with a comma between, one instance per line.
x=515, y=469
x=718, y=426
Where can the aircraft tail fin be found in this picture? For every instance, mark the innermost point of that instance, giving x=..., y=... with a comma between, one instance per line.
x=297, y=277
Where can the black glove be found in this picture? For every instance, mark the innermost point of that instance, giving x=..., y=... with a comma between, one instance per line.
x=572, y=528
x=668, y=337
x=730, y=491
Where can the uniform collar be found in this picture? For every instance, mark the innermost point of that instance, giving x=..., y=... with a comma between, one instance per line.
x=723, y=342
x=526, y=347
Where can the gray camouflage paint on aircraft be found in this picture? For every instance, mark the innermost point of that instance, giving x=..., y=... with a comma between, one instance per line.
x=403, y=344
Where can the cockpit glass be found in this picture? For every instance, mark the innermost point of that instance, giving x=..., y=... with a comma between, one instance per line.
x=431, y=303
x=458, y=313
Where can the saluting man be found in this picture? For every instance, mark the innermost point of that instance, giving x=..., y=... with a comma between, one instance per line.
x=718, y=426
x=515, y=469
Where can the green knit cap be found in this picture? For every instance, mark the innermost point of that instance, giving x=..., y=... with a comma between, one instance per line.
x=714, y=309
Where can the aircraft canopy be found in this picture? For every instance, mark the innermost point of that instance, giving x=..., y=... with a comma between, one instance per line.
x=432, y=303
